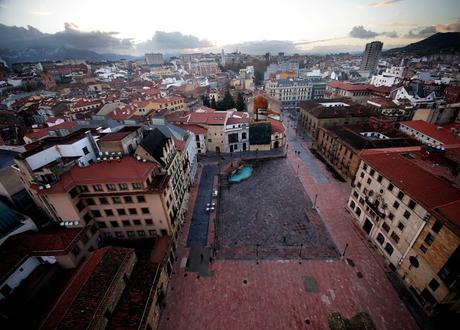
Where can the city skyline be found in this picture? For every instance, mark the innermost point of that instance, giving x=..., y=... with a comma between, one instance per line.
x=295, y=27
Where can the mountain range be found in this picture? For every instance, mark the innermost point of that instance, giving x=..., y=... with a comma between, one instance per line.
x=448, y=42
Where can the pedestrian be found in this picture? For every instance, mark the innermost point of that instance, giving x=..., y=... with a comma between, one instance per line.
x=202, y=257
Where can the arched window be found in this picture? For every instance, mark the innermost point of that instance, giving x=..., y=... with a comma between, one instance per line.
x=389, y=249
x=380, y=238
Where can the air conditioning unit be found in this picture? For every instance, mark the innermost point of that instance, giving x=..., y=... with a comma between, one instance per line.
x=47, y=186
x=40, y=187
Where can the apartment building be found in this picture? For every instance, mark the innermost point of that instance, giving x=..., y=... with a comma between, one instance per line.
x=396, y=200
x=429, y=134
x=371, y=56
x=291, y=92
x=340, y=146
x=325, y=113
x=237, y=133
x=357, y=92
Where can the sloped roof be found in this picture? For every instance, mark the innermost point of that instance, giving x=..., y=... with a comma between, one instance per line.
x=154, y=143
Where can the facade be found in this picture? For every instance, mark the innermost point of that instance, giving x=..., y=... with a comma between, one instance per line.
x=237, y=134
x=371, y=56
x=202, y=67
x=124, y=141
x=396, y=201
x=357, y=92
x=291, y=92
x=325, y=113
x=429, y=134
x=154, y=58
x=389, y=77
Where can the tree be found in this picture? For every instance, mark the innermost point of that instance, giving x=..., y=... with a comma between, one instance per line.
x=213, y=103
x=240, y=105
x=227, y=102
x=205, y=100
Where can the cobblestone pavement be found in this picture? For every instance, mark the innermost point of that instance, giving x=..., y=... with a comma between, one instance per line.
x=270, y=294
x=269, y=215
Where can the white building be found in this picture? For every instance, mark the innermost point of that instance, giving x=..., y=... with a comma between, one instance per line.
x=389, y=78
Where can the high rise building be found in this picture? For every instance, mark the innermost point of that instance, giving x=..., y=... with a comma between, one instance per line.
x=222, y=58
x=154, y=58
x=371, y=56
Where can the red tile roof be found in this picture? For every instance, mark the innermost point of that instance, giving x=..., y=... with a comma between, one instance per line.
x=89, y=290
x=421, y=185
x=43, y=132
x=443, y=135
x=116, y=136
x=122, y=114
x=277, y=126
x=180, y=145
x=351, y=87
x=193, y=128
x=125, y=170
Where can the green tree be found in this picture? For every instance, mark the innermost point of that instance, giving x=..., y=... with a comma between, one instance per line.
x=240, y=105
x=227, y=102
x=205, y=100
x=213, y=103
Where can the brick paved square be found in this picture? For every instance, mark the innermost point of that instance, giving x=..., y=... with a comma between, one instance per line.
x=269, y=216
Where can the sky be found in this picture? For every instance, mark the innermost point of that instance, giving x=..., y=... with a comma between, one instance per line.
x=250, y=25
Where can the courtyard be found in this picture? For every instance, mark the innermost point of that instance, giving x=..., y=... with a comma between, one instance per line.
x=269, y=216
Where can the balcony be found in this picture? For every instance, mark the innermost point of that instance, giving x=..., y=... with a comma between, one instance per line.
x=375, y=207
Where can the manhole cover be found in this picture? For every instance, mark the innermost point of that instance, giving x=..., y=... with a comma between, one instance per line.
x=310, y=284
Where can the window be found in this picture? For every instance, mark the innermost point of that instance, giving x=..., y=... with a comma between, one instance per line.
x=85, y=150
x=90, y=201
x=380, y=239
x=429, y=239
x=395, y=204
x=96, y=213
x=137, y=222
x=152, y=232
x=390, y=187
x=97, y=187
x=401, y=226
x=391, y=216
x=362, y=175
x=400, y=195
x=116, y=200
x=386, y=227
x=114, y=223
x=111, y=187
x=369, y=181
x=361, y=201
x=126, y=223
x=103, y=200
x=352, y=204
x=132, y=211
x=137, y=185
x=76, y=250
x=121, y=211
x=123, y=186
x=406, y=214
x=83, y=189
x=243, y=135
x=379, y=178
x=437, y=226
x=359, y=184
x=372, y=172
x=395, y=237
x=148, y=221
x=102, y=224
x=389, y=249
x=128, y=199
x=108, y=212
x=80, y=206
x=145, y=210
x=140, y=233
x=411, y=204
x=358, y=211
x=131, y=233
x=119, y=234
x=423, y=248
x=433, y=284
x=365, y=167
x=140, y=199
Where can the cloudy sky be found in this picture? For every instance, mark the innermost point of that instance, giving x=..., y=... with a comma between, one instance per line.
x=255, y=26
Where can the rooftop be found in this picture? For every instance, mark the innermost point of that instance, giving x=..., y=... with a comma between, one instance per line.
x=351, y=87
x=445, y=136
x=318, y=110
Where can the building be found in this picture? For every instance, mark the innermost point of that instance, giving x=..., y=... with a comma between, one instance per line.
x=389, y=77
x=325, y=113
x=291, y=92
x=341, y=146
x=124, y=141
x=202, y=67
x=371, y=56
x=154, y=59
x=357, y=92
x=396, y=200
x=429, y=134
x=237, y=132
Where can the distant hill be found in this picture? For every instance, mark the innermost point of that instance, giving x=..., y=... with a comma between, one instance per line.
x=437, y=43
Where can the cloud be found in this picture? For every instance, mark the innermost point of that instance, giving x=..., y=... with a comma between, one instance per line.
x=13, y=37
x=384, y=3
x=264, y=46
x=426, y=31
x=167, y=41
x=391, y=34
x=361, y=33
x=40, y=13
